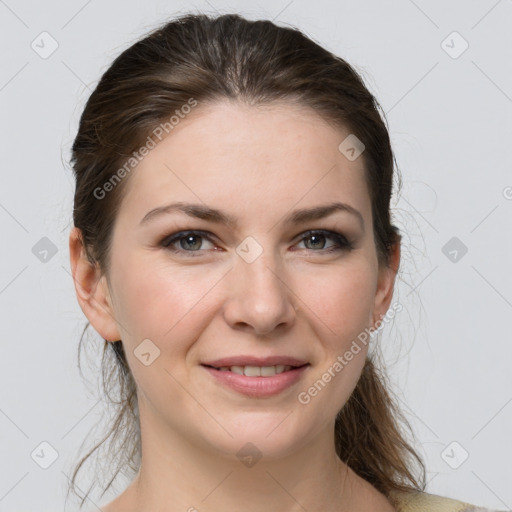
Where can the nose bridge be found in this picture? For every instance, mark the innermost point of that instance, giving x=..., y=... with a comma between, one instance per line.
x=259, y=295
x=263, y=271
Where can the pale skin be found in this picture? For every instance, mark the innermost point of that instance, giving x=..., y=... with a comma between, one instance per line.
x=257, y=164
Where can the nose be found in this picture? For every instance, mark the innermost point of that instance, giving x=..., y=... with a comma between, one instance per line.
x=259, y=299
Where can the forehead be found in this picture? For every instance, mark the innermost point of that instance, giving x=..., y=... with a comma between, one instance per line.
x=255, y=158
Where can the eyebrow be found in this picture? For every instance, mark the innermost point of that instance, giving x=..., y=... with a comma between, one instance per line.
x=201, y=211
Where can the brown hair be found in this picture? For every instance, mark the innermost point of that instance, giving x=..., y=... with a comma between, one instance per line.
x=257, y=62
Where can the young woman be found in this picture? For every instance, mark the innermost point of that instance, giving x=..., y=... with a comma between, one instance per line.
x=233, y=245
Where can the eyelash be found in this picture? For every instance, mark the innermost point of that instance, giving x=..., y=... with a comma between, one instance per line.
x=342, y=244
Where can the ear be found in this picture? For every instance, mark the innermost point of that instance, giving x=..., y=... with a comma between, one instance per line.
x=386, y=283
x=91, y=289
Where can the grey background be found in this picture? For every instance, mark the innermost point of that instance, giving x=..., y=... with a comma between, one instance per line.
x=449, y=350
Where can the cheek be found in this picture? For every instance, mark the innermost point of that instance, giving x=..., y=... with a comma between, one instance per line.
x=341, y=299
x=340, y=308
x=168, y=309
x=162, y=303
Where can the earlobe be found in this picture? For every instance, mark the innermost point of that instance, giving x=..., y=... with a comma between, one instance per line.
x=92, y=289
x=386, y=282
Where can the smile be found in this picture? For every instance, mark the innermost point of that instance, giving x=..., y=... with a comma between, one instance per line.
x=257, y=381
x=256, y=371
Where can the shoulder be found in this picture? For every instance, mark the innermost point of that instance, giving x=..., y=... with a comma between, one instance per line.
x=425, y=502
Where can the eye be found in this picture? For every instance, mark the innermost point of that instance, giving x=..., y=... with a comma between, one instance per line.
x=191, y=241
x=187, y=240
x=318, y=238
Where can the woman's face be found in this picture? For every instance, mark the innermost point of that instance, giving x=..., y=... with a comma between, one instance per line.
x=259, y=286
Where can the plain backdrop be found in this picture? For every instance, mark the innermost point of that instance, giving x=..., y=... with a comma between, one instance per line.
x=441, y=71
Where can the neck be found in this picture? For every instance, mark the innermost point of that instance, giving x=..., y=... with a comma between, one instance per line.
x=177, y=474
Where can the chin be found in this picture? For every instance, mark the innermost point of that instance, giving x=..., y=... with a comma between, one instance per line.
x=260, y=435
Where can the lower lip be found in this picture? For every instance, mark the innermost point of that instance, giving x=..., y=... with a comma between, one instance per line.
x=258, y=387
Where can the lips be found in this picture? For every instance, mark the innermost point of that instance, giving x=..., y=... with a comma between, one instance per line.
x=257, y=377
x=248, y=360
x=257, y=386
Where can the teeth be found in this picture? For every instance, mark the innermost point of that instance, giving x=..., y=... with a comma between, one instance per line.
x=257, y=371
x=267, y=371
x=252, y=371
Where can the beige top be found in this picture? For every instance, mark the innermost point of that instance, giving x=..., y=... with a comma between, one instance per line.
x=422, y=502
x=425, y=502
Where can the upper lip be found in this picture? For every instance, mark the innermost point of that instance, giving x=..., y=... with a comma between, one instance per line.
x=256, y=361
